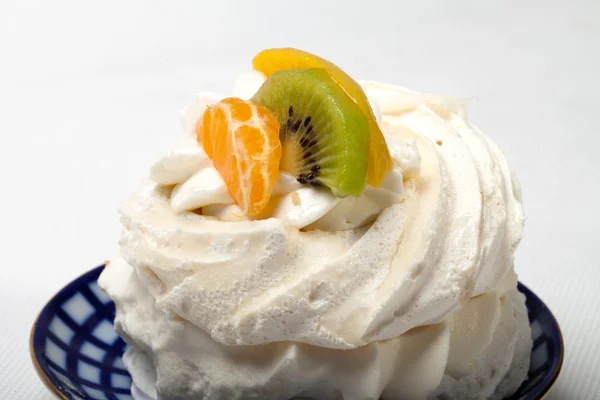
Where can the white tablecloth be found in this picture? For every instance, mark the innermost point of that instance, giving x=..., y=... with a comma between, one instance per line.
x=90, y=93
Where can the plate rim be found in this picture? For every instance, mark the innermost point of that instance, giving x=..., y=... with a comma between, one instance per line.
x=48, y=381
x=557, y=365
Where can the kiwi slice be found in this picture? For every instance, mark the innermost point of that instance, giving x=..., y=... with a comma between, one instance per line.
x=324, y=133
x=271, y=60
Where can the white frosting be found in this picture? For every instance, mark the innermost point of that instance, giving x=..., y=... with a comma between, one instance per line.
x=253, y=282
x=480, y=350
x=315, y=273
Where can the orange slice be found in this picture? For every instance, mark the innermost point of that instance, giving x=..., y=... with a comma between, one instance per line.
x=242, y=140
x=272, y=60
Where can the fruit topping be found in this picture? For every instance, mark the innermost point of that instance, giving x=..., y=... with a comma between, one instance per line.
x=324, y=133
x=271, y=60
x=242, y=140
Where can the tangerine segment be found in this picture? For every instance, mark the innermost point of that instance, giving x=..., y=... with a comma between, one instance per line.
x=272, y=60
x=242, y=140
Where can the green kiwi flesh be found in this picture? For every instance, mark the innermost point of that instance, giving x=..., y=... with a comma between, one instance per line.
x=324, y=134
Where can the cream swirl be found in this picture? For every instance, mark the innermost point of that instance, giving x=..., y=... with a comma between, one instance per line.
x=480, y=350
x=199, y=185
x=413, y=262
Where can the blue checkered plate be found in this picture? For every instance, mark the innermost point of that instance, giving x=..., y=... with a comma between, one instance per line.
x=77, y=353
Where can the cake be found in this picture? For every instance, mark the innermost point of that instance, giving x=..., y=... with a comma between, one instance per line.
x=314, y=237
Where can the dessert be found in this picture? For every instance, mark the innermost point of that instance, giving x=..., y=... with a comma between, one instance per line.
x=312, y=237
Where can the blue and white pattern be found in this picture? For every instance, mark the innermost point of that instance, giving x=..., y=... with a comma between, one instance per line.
x=78, y=351
x=76, y=346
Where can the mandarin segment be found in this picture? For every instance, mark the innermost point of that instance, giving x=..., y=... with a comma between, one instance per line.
x=272, y=60
x=242, y=140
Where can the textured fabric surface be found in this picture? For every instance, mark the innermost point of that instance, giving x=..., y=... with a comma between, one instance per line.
x=90, y=94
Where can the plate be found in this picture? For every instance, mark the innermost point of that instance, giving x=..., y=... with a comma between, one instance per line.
x=77, y=353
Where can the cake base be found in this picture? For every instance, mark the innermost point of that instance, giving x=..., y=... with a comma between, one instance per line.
x=480, y=351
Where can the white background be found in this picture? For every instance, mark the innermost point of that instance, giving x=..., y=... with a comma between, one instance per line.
x=90, y=93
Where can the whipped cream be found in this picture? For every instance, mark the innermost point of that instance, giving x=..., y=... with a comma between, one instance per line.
x=480, y=351
x=413, y=279
x=450, y=238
